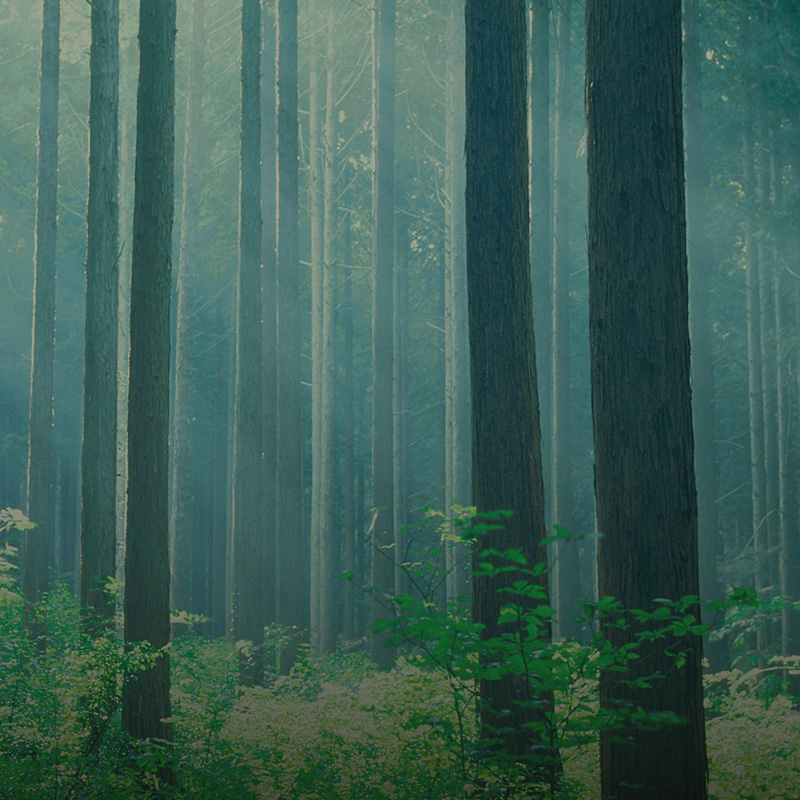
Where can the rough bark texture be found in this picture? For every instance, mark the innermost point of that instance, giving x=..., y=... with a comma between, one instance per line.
x=566, y=568
x=246, y=548
x=709, y=540
x=383, y=80
x=292, y=589
x=40, y=434
x=146, y=700
x=183, y=486
x=506, y=443
x=644, y=475
x=99, y=454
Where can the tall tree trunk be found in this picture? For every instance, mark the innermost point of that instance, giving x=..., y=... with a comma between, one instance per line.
x=292, y=582
x=146, y=702
x=269, y=309
x=329, y=544
x=40, y=435
x=247, y=543
x=350, y=545
x=541, y=211
x=183, y=489
x=699, y=260
x=506, y=445
x=566, y=567
x=400, y=404
x=641, y=404
x=99, y=453
x=754, y=345
x=316, y=198
x=383, y=81
x=457, y=328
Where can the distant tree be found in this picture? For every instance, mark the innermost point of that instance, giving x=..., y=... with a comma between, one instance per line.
x=457, y=401
x=99, y=456
x=247, y=543
x=644, y=473
x=506, y=444
x=292, y=569
x=146, y=702
x=383, y=82
x=40, y=436
x=269, y=389
x=183, y=485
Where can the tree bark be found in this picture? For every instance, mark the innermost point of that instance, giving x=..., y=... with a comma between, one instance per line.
x=506, y=444
x=146, y=702
x=35, y=576
x=99, y=453
x=246, y=549
x=638, y=311
x=292, y=571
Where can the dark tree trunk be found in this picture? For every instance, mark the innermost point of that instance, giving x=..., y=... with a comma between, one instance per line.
x=146, y=702
x=350, y=543
x=99, y=454
x=506, y=444
x=644, y=475
x=35, y=576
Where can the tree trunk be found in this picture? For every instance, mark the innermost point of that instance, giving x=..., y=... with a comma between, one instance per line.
x=99, y=453
x=269, y=394
x=146, y=702
x=566, y=568
x=383, y=81
x=292, y=582
x=506, y=444
x=350, y=543
x=541, y=211
x=183, y=487
x=40, y=436
x=248, y=536
x=329, y=544
x=457, y=333
x=638, y=311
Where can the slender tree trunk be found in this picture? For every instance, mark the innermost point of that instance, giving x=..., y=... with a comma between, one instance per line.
x=541, y=211
x=383, y=81
x=567, y=563
x=400, y=403
x=315, y=192
x=269, y=395
x=40, y=435
x=457, y=333
x=506, y=444
x=754, y=345
x=248, y=536
x=329, y=544
x=146, y=702
x=99, y=454
x=292, y=582
x=219, y=563
x=183, y=488
x=349, y=626
x=638, y=307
